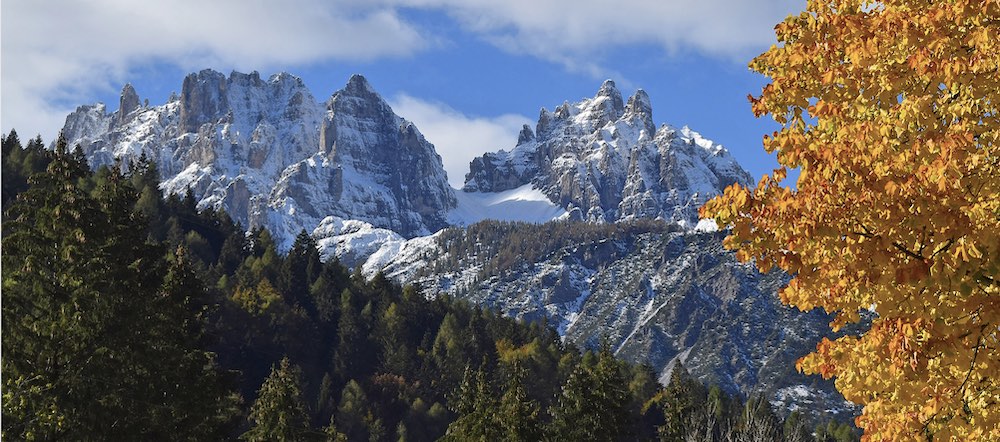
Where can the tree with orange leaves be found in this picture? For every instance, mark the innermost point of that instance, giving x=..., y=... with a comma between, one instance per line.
x=889, y=111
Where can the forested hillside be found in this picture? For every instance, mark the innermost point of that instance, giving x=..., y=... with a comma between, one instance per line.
x=130, y=316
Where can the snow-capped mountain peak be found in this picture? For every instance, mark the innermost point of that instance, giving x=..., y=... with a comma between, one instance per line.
x=606, y=161
x=271, y=155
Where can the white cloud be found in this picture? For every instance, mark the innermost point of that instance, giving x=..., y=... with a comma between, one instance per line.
x=459, y=138
x=55, y=52
x=572, y=32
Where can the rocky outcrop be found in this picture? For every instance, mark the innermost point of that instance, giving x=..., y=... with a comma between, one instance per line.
x=272, y=156
x=127, y=104
x=607, y=161
x=658, y=294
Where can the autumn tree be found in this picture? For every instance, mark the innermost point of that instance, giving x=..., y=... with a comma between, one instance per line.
x=889, y=114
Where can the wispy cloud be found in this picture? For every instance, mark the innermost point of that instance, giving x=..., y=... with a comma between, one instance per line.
x=576, y=32
x=459, y=138
x=54, y=52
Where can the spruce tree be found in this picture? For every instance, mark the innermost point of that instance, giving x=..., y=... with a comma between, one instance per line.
x=593, y=405
x=681, y=395
x=353, y=410
x=279, y=413
x=350, y=336
x=50, y=303
x=301, y=268
x=95, y=346
x=518, y=416
x=476, y=406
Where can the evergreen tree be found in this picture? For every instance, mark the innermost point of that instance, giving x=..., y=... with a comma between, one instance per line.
x=594, y=403
x=48, y=304
x=18, y=163
x=475, y=404
x=91, y=350
x=518, y=416
x=795, y=428
x=351, y=335
x=353, y=410
x=679, y=399
x=279, y=413
x=332, y=433
x=397, y=354
x=449, y=351
x=301, y=268
x=200, y=396
x=758, y=422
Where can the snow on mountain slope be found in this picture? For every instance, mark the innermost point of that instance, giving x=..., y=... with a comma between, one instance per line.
x=372, y=191
x=656, y=292
x=519, y=204
x=605, y=160
x=271, y=155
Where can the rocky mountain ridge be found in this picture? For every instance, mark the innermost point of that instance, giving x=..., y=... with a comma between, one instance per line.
x=373, y=192
x=272, y=156
x=658, y=293
x=604, y=160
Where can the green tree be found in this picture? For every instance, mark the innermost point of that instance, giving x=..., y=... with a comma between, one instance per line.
x=475, y=403
x=394, y=341
x=95, y=342
x=518, y=416
x=354, y=408
x=201, y=402
x=352, y=335
x=594, y=403
x=332, y=433
x=449, y=351
x=679, y=399
x=279, y=413
x=301, y=268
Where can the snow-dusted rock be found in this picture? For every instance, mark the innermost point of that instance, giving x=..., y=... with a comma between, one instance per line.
x=269, y=154
x=658, y=296
x=607, y=160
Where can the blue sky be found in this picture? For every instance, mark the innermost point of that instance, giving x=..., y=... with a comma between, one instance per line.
x=469, y=73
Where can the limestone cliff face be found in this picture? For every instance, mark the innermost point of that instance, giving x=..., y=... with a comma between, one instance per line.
x=272, y=156
x=605, y=160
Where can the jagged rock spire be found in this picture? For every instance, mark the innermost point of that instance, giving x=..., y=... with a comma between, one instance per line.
x=127, y=103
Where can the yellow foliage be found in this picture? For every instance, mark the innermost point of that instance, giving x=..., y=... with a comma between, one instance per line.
x=889, y=111
x=257, y=300
x=509, y=354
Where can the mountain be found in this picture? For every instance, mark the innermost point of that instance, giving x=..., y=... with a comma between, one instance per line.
x=658, y=293
x=604, y=160
x=617, y=254
x=272, y=156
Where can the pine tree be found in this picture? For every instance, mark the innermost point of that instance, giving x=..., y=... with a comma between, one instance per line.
x=301, y=268
x=47, y=303
x=351, y=335
x=475, y=404
x=332, y=433
x=679, y=399
x=354, y=408
x=279, y=413
x=91, y=350
x=449, y=351
x=593, y=405
x=397, y=354
x=758, y=422
x=518, y=416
